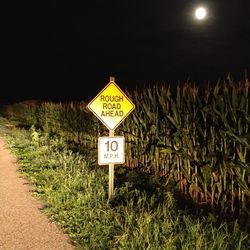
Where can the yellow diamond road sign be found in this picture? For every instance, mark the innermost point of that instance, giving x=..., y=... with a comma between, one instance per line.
x=111, y=106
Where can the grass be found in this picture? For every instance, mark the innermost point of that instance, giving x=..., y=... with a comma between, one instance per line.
x=144, y=214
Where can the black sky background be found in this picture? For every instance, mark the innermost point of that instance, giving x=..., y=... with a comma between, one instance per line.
x=67, y=50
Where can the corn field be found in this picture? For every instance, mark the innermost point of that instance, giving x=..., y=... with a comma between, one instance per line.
x=197, y=138
x=200, y=140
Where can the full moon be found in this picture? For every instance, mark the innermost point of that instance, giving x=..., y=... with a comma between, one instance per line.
x=200, y=13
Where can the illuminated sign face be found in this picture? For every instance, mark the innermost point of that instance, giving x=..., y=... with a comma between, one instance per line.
x=111, y=106
x=111, y=150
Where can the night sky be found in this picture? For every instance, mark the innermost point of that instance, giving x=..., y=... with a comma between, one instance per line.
x=67, y=50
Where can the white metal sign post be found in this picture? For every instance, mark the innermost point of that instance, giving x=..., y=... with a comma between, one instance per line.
x=111, y=172
x=111, y=106
x=111, y=151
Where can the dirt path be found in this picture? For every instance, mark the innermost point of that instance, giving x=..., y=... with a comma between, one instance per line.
x=22, y=225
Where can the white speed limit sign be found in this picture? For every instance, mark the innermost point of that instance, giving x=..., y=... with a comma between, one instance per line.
x=111, y=150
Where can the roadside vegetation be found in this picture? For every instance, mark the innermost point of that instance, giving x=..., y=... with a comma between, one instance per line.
x=146, y=213
x=185, y=183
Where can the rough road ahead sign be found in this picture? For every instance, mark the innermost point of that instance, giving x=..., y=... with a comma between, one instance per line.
x=111, y=106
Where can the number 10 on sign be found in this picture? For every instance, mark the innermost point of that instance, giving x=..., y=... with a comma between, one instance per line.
x=111, y=150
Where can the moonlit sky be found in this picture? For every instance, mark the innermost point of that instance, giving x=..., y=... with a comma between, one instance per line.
x=66, y=50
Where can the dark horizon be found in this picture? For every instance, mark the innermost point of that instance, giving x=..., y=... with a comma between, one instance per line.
x=68, y=51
